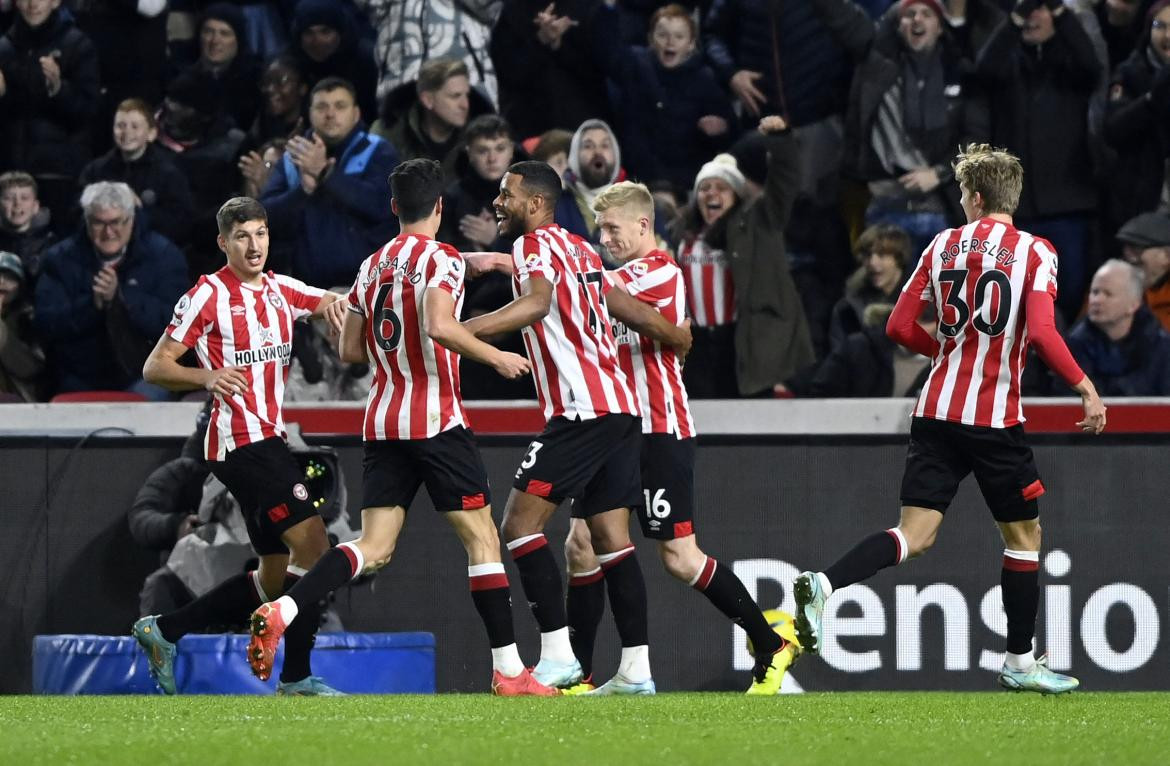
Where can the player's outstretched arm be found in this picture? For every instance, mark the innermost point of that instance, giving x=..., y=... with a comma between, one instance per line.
x=163, y=369
x=648, y=322
x=1051, y=348
x=441, y=326
x=479, y=264
x=531, y=307
x=351, y=345
x=332, y=308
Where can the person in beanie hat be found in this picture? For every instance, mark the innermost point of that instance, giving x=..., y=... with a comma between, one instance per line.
x=748, y=324
x=226, y=63
x=1145, y=240
x=21, y=359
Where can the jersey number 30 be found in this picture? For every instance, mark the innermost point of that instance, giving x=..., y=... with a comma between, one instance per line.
x=387, y=325
x=956, y=307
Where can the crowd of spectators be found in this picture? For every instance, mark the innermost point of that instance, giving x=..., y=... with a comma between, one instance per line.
x=125, y=124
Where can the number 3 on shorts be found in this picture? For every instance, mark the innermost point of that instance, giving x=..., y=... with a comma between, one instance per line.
x=530, y=456
x=657, y=507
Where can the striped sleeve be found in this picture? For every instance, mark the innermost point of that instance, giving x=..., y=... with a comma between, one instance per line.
x=651, y=283
x=301, y=297
x=920, y=285
x=448, y=272
x=353, y=299
x=1042, y=267
x=194, y=314
x=531, y=258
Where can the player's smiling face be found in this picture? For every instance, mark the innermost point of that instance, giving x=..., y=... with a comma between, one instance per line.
x=672, y=41
x=246, y=247
x=715, y=197
x=621, y=230
x=511, y=206
x=920, y=27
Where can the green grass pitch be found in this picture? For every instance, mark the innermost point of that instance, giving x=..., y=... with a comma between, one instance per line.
x=854, y=729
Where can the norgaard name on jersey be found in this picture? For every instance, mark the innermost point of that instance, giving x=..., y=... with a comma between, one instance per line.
x=248, y=356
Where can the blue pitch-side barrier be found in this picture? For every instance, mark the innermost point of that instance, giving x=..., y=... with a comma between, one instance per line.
x=357, y=663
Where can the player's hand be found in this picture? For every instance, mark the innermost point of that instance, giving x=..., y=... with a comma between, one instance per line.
x=335, y=315
x=479, y=264
x=923, y=180
x=682, y=344
x=743, y=85
x=511, y=366
x=712, y=125
x=227, y=381
x=1094, y=422
x=773, y=123
x=479, y=229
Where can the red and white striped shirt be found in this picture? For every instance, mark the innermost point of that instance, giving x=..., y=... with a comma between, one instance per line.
x=707, y=276
x=572, y=350
x=233, y=324
x=978, y=278
x=415, y=394
x=655, y=279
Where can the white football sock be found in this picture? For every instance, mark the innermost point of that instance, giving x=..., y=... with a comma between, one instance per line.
x=288, y=609
x=1020, y=661
x=555, y=646
x=635, y=663
x=506, y=659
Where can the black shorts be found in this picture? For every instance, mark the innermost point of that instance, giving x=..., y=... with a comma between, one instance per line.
x=449, y=464
x=941, y=454
x=594, y=462
x=668, y=487
x=268, y=483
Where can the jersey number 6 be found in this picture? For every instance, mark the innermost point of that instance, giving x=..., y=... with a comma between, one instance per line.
x=387, y=325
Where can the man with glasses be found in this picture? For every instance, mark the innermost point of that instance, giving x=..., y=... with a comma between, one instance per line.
x=105, y=294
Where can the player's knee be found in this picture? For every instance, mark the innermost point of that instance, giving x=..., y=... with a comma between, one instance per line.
x=678, y=564
x=578, y=550
x=919, y=542
x=376, y=552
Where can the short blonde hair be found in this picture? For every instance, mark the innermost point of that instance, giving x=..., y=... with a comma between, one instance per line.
x=995, y=173
x=626, y=194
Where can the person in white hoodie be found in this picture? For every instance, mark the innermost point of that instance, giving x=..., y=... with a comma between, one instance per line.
x=594, y=165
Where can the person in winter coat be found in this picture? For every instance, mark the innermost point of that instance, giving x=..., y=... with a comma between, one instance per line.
x=226, y=62
x=327, y=45
x=1119, y=343
x=328, y=199
x=1038, y=71
x=1137, y=121
x=164, y=195
x=882, y=252
x=906, y=112
x=749, y=327
x=542, y=55
x=48, y=96
x=672, y=114
x=105, y=294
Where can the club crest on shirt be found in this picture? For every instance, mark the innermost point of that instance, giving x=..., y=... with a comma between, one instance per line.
x=266, y=336
x=300, y=493
x=275, y=299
